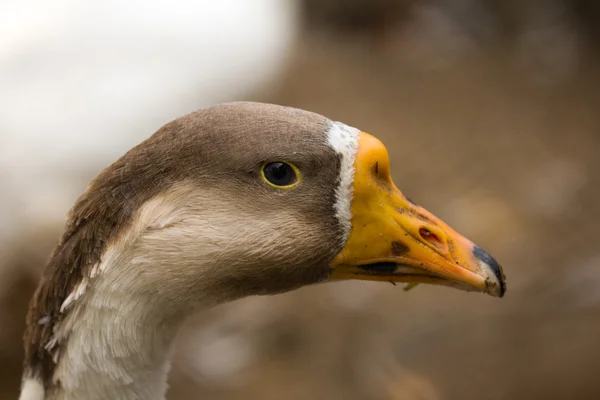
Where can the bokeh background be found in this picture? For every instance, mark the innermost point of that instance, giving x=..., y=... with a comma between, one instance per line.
x=490, y=111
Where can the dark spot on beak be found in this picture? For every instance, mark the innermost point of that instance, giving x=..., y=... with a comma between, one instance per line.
x=412, y=202
x=399, y=248
x=380, y=267
x=487, y=259
x=376, y=167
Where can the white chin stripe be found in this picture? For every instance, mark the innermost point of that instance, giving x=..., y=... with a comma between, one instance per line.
x=344, y=140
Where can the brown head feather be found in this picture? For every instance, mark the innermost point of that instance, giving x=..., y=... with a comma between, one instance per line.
x=226, y=142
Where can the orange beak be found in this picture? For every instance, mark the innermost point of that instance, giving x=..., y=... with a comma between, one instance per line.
x=394, y=240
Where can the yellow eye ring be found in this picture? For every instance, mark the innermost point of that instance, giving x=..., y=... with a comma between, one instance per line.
x=280, y=174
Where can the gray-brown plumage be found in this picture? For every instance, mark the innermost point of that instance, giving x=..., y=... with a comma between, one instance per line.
x=197, y=147
x=185, y=220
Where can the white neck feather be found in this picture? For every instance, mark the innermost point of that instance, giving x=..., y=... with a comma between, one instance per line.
x=118, y=344
x=120, y=322
x=118, y=335
x=122, y=355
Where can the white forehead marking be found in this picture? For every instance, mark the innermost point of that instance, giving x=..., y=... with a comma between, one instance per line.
x=344, y=140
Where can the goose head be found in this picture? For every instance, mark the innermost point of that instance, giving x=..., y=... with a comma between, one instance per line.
x=235, y=200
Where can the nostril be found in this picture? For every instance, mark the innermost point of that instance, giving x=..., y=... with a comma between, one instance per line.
x=431, y=238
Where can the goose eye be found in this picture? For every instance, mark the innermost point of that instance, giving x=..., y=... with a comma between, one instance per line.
x=280, y=175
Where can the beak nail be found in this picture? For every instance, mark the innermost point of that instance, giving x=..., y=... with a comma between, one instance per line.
x=493, y=270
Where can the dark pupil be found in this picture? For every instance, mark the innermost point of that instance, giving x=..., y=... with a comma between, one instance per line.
x=279, y=173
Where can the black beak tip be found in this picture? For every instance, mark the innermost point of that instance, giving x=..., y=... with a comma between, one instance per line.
x=493, y=265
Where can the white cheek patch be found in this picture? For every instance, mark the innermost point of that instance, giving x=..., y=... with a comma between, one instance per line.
x=344, y=140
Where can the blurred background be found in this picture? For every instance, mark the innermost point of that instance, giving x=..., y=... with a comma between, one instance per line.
x=489, y=109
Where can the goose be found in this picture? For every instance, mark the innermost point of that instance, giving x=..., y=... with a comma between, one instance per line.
x=234, y=200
